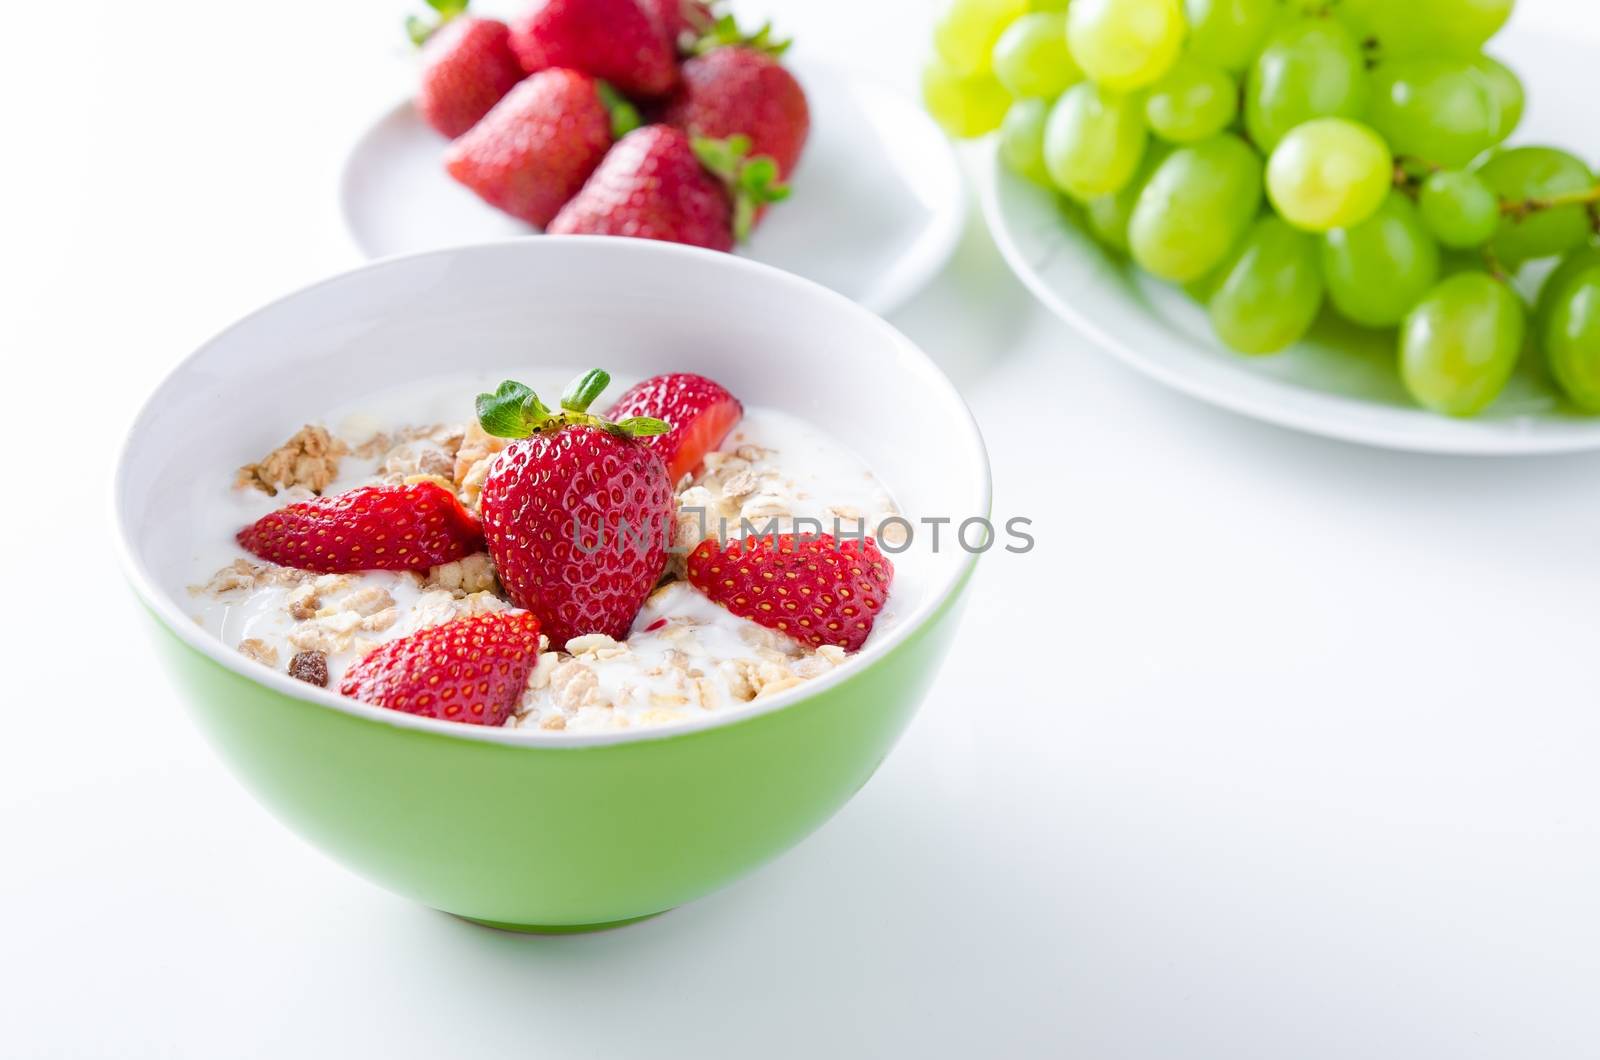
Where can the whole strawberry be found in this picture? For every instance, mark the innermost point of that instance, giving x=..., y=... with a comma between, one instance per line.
x=617, y=40
x=658, y=183
x=739, y=87
x=534, y=150
x=577, y=513
x=472, y=670
x=701, y=413
x=411, y=527
x=817, y=590
x=467, y=66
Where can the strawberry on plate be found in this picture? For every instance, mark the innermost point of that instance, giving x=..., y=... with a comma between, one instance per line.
x=467, y=66
x=534, y=150
x=577, y=512
x=735, y=85
x=472, y=670
x=811, y=587
x=701, y=413
x=410, y=527
x=658, y=183
x=618, y=40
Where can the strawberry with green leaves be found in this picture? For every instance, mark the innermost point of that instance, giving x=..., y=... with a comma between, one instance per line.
x=577, y=512
x=659, y=183
x=467, y=66
x=735, y=85
x=533, y=152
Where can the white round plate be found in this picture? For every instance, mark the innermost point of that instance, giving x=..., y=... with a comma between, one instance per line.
x=878, y=201
x=1341, y=382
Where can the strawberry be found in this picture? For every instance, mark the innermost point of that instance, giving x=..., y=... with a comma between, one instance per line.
x=618, y=40
x=701, y=413
x=577, y=512
x=811, y=587
x=534, y=150
x=683, y=20
x=657, y=183
x=472, y=670
x=410, y=527
x=467, y=66
x=738, y=86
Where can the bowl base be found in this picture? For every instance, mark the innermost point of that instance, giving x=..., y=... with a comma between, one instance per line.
x=555, y=929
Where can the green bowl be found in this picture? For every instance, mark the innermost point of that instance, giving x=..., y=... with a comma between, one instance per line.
x=545, y=831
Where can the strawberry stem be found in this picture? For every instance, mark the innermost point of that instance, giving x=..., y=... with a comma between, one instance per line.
x=515, y=411
x=751, y=182
x=725, y=33
x=624, y=115
x=420, y=29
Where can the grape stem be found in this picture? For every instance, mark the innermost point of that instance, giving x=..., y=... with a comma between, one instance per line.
x=1522, y=208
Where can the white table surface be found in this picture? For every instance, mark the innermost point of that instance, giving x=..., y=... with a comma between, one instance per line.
x=1274, y=747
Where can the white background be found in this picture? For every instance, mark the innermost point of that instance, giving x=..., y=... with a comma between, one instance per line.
x=1275, y=747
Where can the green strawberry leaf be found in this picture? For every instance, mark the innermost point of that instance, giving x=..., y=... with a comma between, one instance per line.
x=512, y=411
x=582, y=391
x=624, y=115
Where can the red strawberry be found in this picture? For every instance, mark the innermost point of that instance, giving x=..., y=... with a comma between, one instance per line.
x=682, y=19
x=813, y=588
x=371, y=528
x=743, y=89
x=618, y=40
x=700, y=411
x=472, y=670
x=658, y=184
x=534, y=150
x=576, y=513
x=467, y=66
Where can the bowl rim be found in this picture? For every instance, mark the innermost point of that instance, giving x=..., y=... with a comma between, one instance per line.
x=163, y=606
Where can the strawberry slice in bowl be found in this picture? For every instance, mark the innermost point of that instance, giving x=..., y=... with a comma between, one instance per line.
x=700, y=411
x=409, y=527
x=472, y=670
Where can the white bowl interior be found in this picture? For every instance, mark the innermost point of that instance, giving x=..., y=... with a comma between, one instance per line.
x=509, y=309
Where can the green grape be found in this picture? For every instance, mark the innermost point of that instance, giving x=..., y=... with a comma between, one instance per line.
x=1555, y=284
x=1524, y=173
x=1125, y=44
x=1022, y=139
x=1507, y=89
x=1268, y=292
x=1093, y=141
x=1031, y=57
x=1570, y=338
x=1047, y=5
x=1460, y=344
x=1412, y=27
x=1310, y=68
x=1195, y=207
x=1442, y=109
x=1377, y=270
x=1228, y=33
x=965, y=32
x=1191, y=103
x=1329, y=173
x=1108, y=215
x=964, y=106
x=1459, y=209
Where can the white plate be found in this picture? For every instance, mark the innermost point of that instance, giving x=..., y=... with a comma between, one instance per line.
x=1341, y=382
x=877, y=209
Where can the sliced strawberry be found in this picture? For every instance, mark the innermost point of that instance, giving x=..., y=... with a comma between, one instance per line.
x=411, y=527
x=472, y=670
x=701, y=413
x=812, y=588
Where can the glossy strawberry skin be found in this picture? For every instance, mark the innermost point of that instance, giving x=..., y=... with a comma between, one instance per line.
x=701, y=412
x=411, y=527
x=467, y=67
x=813, y=588
x=534, y=150
x=619, y=41
x=472, y=670
x=651, y=186
x=733, y=90
x=544, y=505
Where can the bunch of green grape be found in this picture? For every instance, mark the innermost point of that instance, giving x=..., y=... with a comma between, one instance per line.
x=1274, y=155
